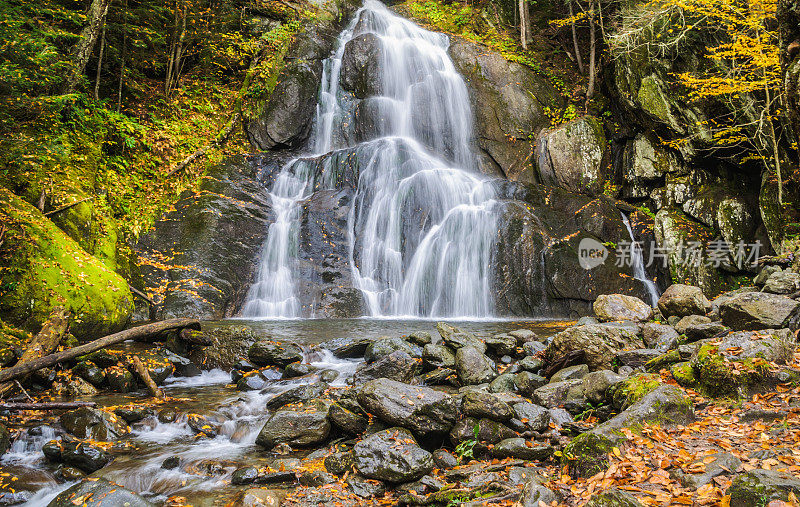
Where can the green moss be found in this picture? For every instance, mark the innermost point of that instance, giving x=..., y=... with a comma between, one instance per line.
x=652, y=99
x=718, y=377
x=587, y=454
x=684, y=375
x=662, y=361
x=41, y=267
x=633, y=389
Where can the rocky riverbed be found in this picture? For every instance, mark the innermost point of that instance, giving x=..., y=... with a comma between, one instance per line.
x=690, y=401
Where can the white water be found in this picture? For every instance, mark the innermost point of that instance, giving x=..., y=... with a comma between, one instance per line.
x=637, y=262
x=422, y=222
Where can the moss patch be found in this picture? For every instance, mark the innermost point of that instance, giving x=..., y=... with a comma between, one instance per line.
x=633, y=389
x=717, y=376
x=587, y=454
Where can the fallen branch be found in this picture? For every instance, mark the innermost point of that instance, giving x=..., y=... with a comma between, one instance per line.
x=51, y=405
x=154, y=328
x=137, y=292
x=68, y=206
x=140, y=370
x=221, y=138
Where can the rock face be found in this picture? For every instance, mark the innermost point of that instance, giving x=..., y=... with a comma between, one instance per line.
x=570, y=156
x=392, y=455
x=601, y=342
x=49, y=269
x=299, y=425
x=508, y=100
x=420, y=409
x=613, y=307
x=361, y=71
x=757, y=310
x=682, y=300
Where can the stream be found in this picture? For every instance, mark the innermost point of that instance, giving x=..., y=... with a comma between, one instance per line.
x=206, y=465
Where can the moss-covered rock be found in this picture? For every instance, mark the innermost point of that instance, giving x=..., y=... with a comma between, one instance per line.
x=718, y=375
x=759, y=487
x=633, y=389
x=41, y=267
x=684, y=374
x=587, y=454
x=570, y=156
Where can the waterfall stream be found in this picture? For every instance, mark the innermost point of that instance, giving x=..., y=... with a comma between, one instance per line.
x=637, y=263
x=422, y=220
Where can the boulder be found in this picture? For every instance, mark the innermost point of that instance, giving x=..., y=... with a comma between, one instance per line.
x=302, y=393
x=570, y=373
x=783, y=282
x=777, y=346
x=757, y=310
x=703, y=331
x=384, y=346
x=349, y=347
x=759, y=487
x=690, y=320
x=659, y=336
x=272, y=353
x=5, y=439
x=397, y=365
x=613, y=498
x=502, y=344
x=94, y=424
x=480, y=404
x=456, y=338
x=473, y=366
x=484, y=430
x=301, y=425
x=522, y=449
x=682, y=300
x=597, y=383
x=88, y=458
x=724, y=463
x=532, y=417
x=600, y=342
x=570, y=156
x=438, y=356
x=614, y=307
x=528, y=382
x=420, y=409
x=637, y=358
x=361, y=66
x=665, y=405
x=392, y=455
x=96, y=492
x=555, y=394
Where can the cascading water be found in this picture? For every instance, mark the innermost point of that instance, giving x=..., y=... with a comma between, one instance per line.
x=637, y=263
x=422, y=221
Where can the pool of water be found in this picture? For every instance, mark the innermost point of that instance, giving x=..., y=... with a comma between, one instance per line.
x=203, y=477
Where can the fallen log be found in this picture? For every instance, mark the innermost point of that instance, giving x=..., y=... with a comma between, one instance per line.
x=45, y=342
x=50, y=405
x=140, y=370
x=154, y=328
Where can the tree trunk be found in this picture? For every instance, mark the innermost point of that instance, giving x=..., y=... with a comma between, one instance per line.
x=47, y=405
x=124, y=53
x=140, y=370
x=523, y=23
x=100, y=62
x=44, y=343
x=592, y=55
x=578, y=57
x=86, y=41
x=145, y=330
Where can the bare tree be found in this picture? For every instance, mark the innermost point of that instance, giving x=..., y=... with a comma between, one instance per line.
x=96, y=16
x=578, y=57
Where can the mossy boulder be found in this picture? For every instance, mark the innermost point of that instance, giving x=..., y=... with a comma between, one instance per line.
x=633, y=389
x=587, y=454
x=570, y=156
x=41, y=268
x=684, y=374
x=718, y=375
x=759, y=487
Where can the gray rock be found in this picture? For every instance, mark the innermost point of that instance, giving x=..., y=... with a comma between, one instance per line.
x=488, y=431
x=528, y=382
x=771, y=345
x=420, y=409
x=570, y=373
x=533, y=417
x=420, y=338
x=600, y=342
x=456, y=339
x=244, y=475
x=339, y=463
x=438, y=356
x=397, y=365
x=520, y=448
x=759, y=487
x=613, y=307
x=300, y=425
x=503, y=383
x=271, y=353
x=703, y=331
x=570, y=155
x=93, y=424
x=724, y=463
x=361, y=66
x=384, y=346
x=783, y=282
x=560, y=417
x=613, y=498
x=443, y=459
x=304, y=393
x=659, y=336
x=637, y=358
x=689, y=321
x=347, y=347
x=555, y=393
x=349, y=421
x=681, y=300
x=502, y=344
x=392, y=455
x=473, y=366
x=524, y=336
x=757, y=310
x=252, y=381
x=365, y=488
x=665, y=405
x=479, y=404
x=597, y=383
x=98, y=492
x=763, y=275
x=532, y=347
x=534, y=495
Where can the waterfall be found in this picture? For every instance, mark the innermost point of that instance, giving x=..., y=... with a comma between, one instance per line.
x=637, y=262
x=422, y=222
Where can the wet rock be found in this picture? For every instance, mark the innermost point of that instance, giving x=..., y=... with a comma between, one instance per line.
x=316, y=478
x=524, y=336
x=690, y=320
x=637, y=358
x=782, y=282
x=298, y=369
x=534, y=495
x=528, y=382
x=570, y=155
x=252, y=381
x=681, y=300
x=502, y=344
x=532, y=417
x=473, y=366
x=261, y=497
x=339, y=463
x=168, y=415
x=555, y=393
x=438, y=356
x=560, y=417
x=597, y=383
x=348, y=347
x=361, y=71
x=570, y=373
x=348, y=420
x=757, y=310
x=614, y=498
x=503, y=383
x=271, y=353
x=304, y=393
x=183, y=366
x=69, y=474
x=133, y=413
x=759, y=487
x=420, y=409
x=398, y=365
x=93, y=424
x=85, y=456
x=440, y=376
x=531, y=363
x=244, y=475
x=665, y=405
x=171, y=463
x=456, y=338
x=102, y=358
x=76, y=386
x=284, y=476
x=202, y=425
x=95, y=492
x=91, y=373
x=365, y=488
x=520, y=448
x=301, y=425
x=703, y=331
x=488, y=431
x=392, y=455
x=771, y=345
x=444, y=460
x=479, y=404
x=229, y=343
x=600, y=342
x=420, y=338
x=120, y=380
x=5, y=438
x=723, y=463
x=659, y=336
x=614, y=307
x=385, y=346
x=531, y=348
